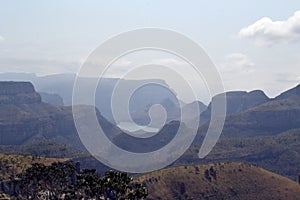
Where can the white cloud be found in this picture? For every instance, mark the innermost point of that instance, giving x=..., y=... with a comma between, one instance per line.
x=268, y=32
x=1, y=38
x=237, y=63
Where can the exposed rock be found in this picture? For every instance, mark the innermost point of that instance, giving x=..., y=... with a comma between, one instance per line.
x=24, y=116
x=237, y=101
x=25, y=119
x=13, y=88
x=18, y=93
x=270, y=118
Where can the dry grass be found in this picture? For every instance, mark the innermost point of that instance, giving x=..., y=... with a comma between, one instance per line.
x=232, y=181
x=15, y=164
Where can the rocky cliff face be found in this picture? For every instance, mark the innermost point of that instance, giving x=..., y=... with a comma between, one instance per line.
x=18, y=93
x=12, y=88
x=237, y=101
x=24, y=118
x=270, y=118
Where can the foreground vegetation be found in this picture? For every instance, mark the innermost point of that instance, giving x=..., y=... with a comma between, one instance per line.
x=11, y=165
x=63, y=180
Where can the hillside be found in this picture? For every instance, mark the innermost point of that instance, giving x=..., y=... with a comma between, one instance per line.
x=44, y=148
x=289, y=93
x=25, y=119
x=267, y=135
x=236, y=101
x=51, y=149
x=219, y=181
x=269, y=118
x=278, y=153
x=254, y=135
x=11, y=165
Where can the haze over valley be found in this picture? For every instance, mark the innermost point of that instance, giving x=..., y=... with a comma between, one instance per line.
x=156, y=100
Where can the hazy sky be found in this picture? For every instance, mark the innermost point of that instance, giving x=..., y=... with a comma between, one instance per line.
x=255, y=44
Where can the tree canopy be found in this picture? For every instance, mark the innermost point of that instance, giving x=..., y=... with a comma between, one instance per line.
x=67, y=181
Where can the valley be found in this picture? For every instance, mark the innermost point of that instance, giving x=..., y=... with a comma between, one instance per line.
x=259, y=132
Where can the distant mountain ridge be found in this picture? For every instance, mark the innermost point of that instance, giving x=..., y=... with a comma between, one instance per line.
x=295, y=91
x=277, y=115
x=18, y=93
x=27, y=120
x=62, y=85
x=24, y=118
x=266, y=135
x=236, y=101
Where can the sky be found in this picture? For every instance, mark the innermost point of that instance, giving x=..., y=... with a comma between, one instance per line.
x=254, y=44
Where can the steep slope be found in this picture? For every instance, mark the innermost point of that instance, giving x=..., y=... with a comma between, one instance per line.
x=237, y=101
x=269, y=118
x=24, y=123
x=25, y=119
x=23, y=115
x=295, y=91
x=44, y=148
x=219, y=181
x=18, y=93
x=266, y=135
x=62, y=84
x=277, y=153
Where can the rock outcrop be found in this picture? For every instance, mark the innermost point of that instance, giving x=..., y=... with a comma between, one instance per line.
x=18, y=93
x=25, y=119
x=237, y=101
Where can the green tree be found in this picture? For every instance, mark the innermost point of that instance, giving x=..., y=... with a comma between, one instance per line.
x=66, y=181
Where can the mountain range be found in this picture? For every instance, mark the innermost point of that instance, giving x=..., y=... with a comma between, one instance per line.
x=257, y=130
x=58, y=89
x=265, y=135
